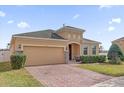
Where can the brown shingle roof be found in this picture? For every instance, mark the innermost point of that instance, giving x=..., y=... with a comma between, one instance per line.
x=91, y=41
x=41, y=34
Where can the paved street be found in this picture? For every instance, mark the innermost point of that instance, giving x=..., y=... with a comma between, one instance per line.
x=115, y=82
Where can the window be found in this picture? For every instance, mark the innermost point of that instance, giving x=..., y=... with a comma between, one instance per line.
x=94, y=50
x=19, y=46
x=85, y=50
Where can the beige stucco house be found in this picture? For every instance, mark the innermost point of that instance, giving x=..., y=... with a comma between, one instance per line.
x=53, y=47
x=120, y=43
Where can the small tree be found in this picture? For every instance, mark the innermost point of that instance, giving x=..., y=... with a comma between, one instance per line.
x=114, y=58
x=115, y=54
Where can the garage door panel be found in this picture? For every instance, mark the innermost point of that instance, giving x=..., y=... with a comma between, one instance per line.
x=44, y=55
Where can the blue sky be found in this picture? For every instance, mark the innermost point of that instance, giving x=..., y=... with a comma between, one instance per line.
x=102, y=23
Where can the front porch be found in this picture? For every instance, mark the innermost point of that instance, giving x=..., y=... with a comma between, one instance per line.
x=73, y=51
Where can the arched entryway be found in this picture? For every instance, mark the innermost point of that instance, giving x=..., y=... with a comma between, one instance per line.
x=73, y=50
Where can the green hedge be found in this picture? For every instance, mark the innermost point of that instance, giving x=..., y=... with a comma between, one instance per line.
x=93, y=59
x=122, y=58
x=18, y=60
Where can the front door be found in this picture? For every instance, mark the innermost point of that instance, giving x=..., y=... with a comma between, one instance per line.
x=70, y=52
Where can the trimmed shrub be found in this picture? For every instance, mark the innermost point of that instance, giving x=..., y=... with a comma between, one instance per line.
x=114, y=49
x=18, y=60
x=93, y=59
x=101, y=59
x=115, y=59
x=84, y=59
x=115, y=55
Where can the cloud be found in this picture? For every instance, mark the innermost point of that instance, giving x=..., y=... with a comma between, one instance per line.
x=115, y=20
x=111, y=28
x=110, y=22
x=23, y=24
x=76, y=16
x=2, y=14
x=105, y=6
x=10, y=21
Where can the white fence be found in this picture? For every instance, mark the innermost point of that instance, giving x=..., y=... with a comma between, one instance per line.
x=4, y=55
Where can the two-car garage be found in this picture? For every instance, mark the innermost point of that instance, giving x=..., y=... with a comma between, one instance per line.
x=43, y=55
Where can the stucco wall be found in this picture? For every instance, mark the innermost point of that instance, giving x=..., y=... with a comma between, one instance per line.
x=120, y=43
x=71, y=35
x=29, y=41
x=75, y=50
x=90, y=48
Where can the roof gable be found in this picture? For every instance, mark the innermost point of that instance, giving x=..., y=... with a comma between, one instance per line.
x=70, y=28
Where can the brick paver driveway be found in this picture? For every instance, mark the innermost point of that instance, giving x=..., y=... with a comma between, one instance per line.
x=66, y=75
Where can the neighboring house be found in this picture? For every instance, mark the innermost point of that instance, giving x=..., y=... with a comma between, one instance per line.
x=52, y=47
x=120, y=43
x=102, y=51
x=4, y=55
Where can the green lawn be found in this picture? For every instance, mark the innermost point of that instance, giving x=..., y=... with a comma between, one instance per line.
x=108, y=69
x=16, y=78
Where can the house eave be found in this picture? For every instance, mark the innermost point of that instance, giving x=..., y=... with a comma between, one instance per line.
x=40, y=38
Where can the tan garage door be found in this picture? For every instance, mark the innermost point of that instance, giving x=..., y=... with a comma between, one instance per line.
x=44, y=55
